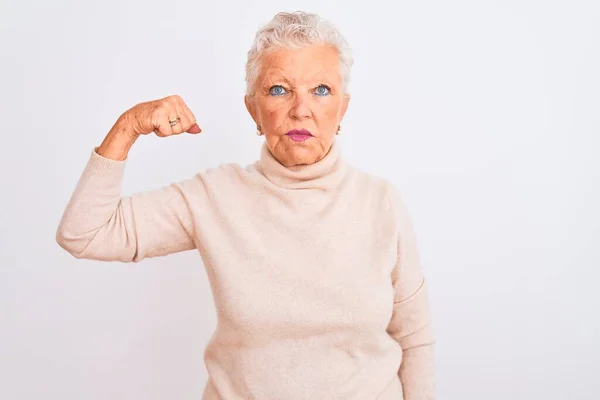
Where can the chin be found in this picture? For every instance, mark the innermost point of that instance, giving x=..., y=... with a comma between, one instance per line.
x=300, y=155
x=291, y=153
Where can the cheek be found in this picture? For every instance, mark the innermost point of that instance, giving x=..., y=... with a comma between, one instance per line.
x=330, y=112
x=275, y=113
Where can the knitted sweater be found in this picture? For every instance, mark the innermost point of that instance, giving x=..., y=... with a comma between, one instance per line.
x=314, y=271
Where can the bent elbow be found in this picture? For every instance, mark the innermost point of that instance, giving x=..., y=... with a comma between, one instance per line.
x=95, y=245
x=70, y=243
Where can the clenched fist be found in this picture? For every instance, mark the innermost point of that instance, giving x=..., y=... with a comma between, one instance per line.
x=165, y=117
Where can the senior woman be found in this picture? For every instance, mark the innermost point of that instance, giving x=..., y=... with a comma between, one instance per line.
x=313, y=264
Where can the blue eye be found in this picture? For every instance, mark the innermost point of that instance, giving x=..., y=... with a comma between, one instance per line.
x=277, y=90
x=323, y=90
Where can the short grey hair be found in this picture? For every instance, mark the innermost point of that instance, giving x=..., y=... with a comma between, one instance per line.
x=295, y=30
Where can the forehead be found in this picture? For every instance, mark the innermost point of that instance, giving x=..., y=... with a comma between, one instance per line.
x=311, y=62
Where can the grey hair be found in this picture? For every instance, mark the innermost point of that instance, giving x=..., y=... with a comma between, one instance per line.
x=295, y=30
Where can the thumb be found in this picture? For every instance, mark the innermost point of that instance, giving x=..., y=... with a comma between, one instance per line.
x=194, y=129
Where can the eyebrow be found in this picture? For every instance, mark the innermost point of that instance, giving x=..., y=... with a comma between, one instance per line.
x=273, y=81
x=276, y=78
x=278, y=75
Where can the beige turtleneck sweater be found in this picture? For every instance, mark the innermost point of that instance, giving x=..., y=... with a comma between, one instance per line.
x=314, y=271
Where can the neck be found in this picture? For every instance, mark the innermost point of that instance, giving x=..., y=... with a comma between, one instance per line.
x=323, y=174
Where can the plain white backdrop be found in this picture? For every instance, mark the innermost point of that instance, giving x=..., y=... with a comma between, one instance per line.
x=485, y=114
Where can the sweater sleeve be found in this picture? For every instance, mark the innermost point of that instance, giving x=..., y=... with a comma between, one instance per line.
x=410, y=324
x=100, y=224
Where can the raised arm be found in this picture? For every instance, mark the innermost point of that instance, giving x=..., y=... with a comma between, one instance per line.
x=99, y=223
x=411, y=321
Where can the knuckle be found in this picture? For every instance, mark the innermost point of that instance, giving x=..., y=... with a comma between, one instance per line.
x=156, y=118
x=190, y=115
x=157, y=109
x=174, y=99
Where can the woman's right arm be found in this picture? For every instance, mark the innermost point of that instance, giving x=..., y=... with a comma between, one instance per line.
x=98, y=223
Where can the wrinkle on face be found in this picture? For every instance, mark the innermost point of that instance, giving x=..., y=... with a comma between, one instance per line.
x=299, y=72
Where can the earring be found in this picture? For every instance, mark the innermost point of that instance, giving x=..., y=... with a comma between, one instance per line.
x=258, y=131
x=339, y=130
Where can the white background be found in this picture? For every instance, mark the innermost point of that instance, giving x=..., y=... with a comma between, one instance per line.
x=484, y=113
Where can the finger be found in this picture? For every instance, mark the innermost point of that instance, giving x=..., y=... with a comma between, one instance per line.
x=177, y=120
x=194, y=129
x=192, y=126
x=160, y=118
x=162, y=126
x=176, y=123
x=183, y=116
x=185, y=122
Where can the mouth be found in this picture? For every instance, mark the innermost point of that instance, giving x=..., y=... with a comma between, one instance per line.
x=299, y=135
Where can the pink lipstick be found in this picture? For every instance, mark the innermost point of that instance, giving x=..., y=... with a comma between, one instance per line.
x=299, y=135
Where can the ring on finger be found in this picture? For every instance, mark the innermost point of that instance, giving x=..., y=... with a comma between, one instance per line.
x=174, y=121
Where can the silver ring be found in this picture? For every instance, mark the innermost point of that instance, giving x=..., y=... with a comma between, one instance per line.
x=174, y=121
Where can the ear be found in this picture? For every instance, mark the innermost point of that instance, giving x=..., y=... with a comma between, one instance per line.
x=345, y=103
x=250, y=106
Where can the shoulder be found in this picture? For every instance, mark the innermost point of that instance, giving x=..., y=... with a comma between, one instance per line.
x=211, y=179
x=379, y=191
x=373, y=185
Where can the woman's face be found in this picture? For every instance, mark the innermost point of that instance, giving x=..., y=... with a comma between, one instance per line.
x=299, y=102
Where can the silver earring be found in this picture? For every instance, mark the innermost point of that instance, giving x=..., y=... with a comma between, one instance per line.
x=339, y=130
x=258, y=131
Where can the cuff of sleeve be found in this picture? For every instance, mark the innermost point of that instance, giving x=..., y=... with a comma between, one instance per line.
x=422, y=337
x=102, y=166
x=411, y=320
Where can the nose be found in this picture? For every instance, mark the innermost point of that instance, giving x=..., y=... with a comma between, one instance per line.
x=300, y=108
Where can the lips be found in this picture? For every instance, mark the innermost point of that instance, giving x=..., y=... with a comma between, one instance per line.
x=299, y=135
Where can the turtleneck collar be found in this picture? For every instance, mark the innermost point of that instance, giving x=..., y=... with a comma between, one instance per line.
x=324, y=174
